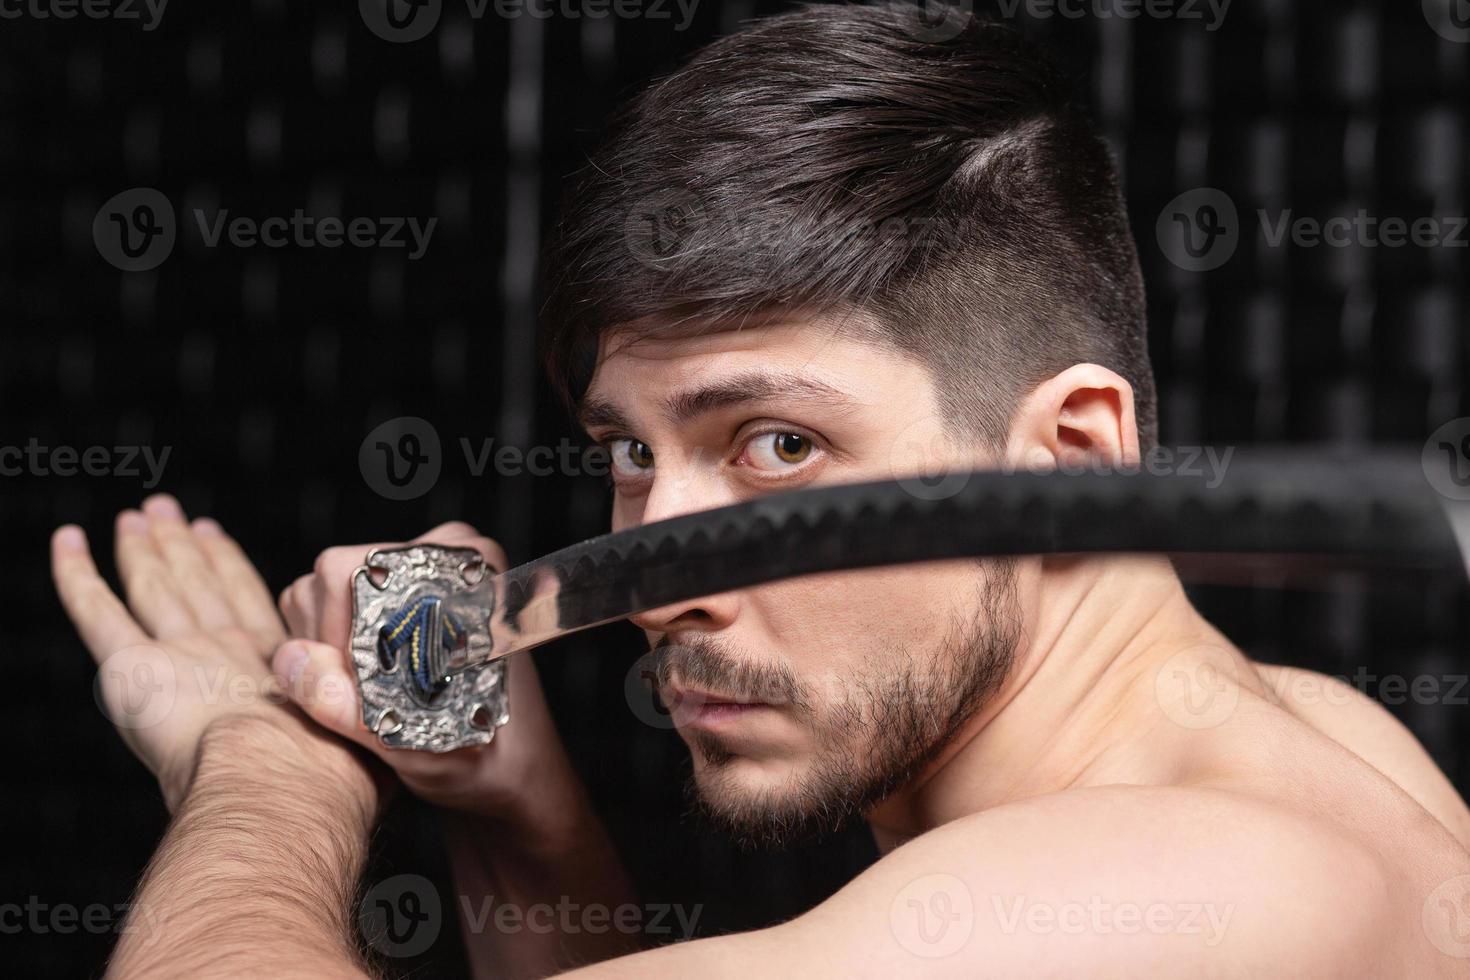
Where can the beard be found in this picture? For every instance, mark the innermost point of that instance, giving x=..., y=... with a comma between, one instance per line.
x=896, y=715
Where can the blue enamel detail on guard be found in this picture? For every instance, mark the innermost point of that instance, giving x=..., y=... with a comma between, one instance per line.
x=408, y=634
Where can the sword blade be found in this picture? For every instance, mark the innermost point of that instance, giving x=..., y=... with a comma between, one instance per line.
x=1359, y=509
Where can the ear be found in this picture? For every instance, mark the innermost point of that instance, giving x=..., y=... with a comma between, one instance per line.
x=1086, y=412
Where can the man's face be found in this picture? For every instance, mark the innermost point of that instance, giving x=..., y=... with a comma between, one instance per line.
x=804, y=701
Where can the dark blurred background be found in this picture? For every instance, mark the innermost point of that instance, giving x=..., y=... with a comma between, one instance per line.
x=262, y=370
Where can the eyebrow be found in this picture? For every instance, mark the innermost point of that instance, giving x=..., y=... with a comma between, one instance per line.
x=684, y=406
x=596, y=413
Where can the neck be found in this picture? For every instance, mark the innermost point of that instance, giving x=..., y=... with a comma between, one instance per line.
x=1078, y=707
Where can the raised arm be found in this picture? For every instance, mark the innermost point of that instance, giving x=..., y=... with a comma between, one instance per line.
x=257, y=870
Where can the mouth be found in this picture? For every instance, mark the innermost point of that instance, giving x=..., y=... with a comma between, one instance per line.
x=691, y=706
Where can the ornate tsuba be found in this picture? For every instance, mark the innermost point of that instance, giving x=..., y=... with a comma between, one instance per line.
x=420, y=621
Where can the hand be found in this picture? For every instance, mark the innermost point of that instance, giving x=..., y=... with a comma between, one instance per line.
x=491, y=780
x=190, y=649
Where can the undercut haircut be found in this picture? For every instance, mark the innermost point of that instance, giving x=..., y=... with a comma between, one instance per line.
x=839, y=160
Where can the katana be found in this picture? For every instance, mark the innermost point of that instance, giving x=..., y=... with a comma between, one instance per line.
x=431, y=624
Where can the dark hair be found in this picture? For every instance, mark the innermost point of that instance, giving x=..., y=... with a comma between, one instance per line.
x=844, y=158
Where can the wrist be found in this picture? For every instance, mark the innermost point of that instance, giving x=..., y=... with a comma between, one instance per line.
x=280, y=755
x=547, y=824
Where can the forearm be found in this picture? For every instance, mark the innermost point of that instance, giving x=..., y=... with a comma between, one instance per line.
x=540, y=893
x=258, y=870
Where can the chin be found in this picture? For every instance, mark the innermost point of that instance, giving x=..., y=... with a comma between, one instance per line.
x=724, y=776
x=764, y=805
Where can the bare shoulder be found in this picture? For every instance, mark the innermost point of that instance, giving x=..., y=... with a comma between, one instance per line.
x=1154, y=880
x=1365, y=728
x=1110, y=881
x=1134, y=878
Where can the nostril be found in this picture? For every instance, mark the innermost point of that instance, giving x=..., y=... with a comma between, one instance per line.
x=670, y=619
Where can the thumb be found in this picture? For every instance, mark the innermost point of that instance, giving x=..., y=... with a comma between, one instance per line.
x=315, y=678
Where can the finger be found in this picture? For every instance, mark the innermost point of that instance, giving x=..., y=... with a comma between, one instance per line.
x=298, y=610
x=327, y=586
x=244, y=589
x=98, y=614
x=314, y=675
x=462, y=535
x=332, y=595
x=200, y=588
x=447, y=533
x=328, y=592
x=152, y=594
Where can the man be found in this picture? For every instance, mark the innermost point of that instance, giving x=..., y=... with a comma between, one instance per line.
x=833, y=248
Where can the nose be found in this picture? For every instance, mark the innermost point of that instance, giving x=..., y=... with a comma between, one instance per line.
x=705, y=615
x=675, y=492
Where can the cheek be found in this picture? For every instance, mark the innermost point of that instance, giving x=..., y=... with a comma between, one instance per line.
x=834, y=625
x=626, y=512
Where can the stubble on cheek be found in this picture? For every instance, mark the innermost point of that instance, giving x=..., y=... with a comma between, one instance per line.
x=868, y=734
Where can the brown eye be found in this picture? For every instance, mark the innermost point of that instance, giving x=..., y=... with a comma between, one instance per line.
x=639, y=454
x=629, y=457
x=791, y=447
x=776, y=453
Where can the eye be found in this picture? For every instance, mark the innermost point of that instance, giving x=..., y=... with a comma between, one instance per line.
x=778, y=450
x=629, y=457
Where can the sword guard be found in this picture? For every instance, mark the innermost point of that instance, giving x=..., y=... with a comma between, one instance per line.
x=420, y=622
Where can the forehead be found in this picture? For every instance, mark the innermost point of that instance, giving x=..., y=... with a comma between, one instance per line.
x=850, y=352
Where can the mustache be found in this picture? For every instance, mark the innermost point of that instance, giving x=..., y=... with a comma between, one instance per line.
x=713, y=665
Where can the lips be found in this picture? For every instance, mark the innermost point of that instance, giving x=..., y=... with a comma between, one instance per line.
x=683, y=694
x=691, y=706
